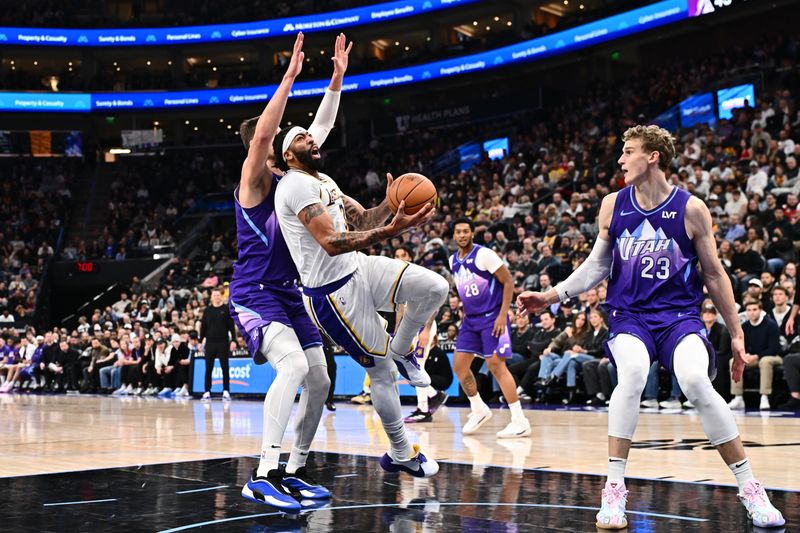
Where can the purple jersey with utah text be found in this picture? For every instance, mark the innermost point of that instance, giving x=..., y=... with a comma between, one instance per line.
x=479, y=290
x=654, y=266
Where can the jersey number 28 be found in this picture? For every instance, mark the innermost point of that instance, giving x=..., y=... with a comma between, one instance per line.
x=471, y=290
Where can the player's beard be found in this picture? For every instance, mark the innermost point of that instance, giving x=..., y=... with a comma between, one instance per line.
x=305, y=159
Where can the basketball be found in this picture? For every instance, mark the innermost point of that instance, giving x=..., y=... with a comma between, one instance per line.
x=415, y=189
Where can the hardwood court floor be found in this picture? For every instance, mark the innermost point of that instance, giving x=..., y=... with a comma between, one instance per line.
x=46, y=434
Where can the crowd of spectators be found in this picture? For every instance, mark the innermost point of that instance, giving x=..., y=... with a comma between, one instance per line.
x=141, y=344
x=536, y=207
x=142, y=212
x=35, y=199
x=413, y=51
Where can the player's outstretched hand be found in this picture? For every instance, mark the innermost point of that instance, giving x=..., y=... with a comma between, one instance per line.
x=296, y=62
x=739, y=362
x=403, y=221
x=531, y=302
x=341, y=54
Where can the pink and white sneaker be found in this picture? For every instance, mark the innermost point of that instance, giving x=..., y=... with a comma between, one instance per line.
x=612, y=508
x=759, y=509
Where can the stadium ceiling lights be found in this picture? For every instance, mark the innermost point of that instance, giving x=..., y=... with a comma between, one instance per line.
x=638, y=20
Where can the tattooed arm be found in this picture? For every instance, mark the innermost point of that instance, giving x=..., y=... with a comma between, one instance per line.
x=319, y=223
x=365, y=219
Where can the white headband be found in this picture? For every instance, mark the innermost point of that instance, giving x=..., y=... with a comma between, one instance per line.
x=287, y=141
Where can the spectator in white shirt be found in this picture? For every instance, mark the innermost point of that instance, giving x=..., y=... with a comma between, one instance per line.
x=736, y=204
x=785, y=144
x=757, y=181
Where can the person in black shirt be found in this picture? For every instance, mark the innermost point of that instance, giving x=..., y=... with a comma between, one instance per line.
x=69, y=361
x=521, y=337
x=219, y=335
x=540, y=339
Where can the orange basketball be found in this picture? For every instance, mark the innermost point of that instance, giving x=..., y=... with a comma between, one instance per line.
x=415, y=189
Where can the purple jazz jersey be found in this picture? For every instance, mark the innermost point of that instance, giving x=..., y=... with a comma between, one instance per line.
x=654, y=261
x=482, y=296
x=479, y=290
x=654, y=290
x=263, y=288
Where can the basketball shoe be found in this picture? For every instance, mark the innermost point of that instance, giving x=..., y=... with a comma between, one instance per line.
x=305, y=485
x=515, y=429
x=475, y=420
x=612, y=508
x=409, y=368
x=417, y=466
x=759, y=509
x=418, y=416
x=269, y=490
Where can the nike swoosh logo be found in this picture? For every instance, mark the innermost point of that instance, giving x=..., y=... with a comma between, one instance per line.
x=614, y=460
x=626, y=213
x=740, y=464
x=681, y=314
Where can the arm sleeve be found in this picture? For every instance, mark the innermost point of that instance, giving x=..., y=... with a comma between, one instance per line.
x=591, y=272
x=297, y=192
x=487, y=260
x=326, y=116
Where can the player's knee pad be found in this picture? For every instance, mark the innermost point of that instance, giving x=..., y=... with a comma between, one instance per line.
x=281, y=347
x=420, y=284
x=439, y=289
x=633, y=365
x=315, y=357
x=317, y=381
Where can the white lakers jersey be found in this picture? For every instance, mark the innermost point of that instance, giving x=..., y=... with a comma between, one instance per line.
x=296, y=191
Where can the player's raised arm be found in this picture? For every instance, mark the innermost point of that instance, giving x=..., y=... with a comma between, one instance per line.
x=326, y=113
x=320, y=225
x=595, y=269
x=698, y=227
x=365, y=219
x=251, y=184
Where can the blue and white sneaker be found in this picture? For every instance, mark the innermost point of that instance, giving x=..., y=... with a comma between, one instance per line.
x=270, y=491
x=305, y=485
x=759, y=509
x=411, y=370
x=417, y=466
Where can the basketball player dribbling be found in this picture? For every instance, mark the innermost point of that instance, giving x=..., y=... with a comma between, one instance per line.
x=344, y=289
x=652, y=236
x=267, y=306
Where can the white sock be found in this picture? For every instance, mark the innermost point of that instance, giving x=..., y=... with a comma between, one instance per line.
x=616, y=469
x=422, y=399
x=516, y=411
x=270, y=456
x=297, y=460
x=742, y=471
x=476, y=403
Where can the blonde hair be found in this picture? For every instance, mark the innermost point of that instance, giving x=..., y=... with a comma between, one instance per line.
x=654, y=139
